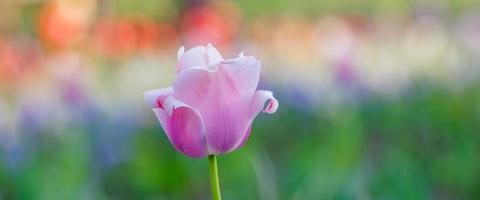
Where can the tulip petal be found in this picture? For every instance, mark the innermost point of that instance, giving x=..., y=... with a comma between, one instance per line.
x=183, y=126
x=213, y=56
x=243, y=74
x=194, y=57
x=180, y=53
x=241, y=54
x=192, y=86
x=258, y=103
x=223, y=97
x=226, y=113
x=188, y=132
x=154, y=98
x=164, y=120
x=212, y=103
x=245, y=137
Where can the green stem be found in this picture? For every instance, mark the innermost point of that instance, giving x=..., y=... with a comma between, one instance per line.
x=214, y=183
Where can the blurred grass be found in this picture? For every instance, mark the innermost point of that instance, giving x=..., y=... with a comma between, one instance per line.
x=252, y=8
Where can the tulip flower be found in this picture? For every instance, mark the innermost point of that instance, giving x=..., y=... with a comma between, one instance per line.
x=210, y=108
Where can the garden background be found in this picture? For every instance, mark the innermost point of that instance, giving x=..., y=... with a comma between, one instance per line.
x=378, y=99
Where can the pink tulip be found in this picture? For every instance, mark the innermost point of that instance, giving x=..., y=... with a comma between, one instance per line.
x=210, y=108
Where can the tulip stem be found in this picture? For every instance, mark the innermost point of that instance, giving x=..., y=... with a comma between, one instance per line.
x=214, y=183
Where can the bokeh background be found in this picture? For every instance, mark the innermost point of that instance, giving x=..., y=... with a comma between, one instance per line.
x=378, y=99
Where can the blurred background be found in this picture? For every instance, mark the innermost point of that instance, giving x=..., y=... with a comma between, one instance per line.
x=378, y=99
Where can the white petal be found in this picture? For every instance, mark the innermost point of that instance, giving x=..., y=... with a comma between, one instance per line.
x=213, y=56
x=180, y=53
x=152, y=96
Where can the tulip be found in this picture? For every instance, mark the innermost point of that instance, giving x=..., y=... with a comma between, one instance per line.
x=210, y=108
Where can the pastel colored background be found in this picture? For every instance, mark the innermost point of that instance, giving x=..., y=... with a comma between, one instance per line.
x=378, y=99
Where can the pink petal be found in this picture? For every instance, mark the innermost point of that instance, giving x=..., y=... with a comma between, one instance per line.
x=243, y=74
x=245, y=137
x=184, y=127
x=180, y=53
x=226, y=120
x=164, y=120
x=258, y=103
x=239, y=76
x=223, y=98
x=192, y=86
x=154, y=98
x=194, y=57
x=213, y=56
x=212, y=103
x=237, y=80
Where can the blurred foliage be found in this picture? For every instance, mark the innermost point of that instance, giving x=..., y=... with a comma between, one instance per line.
x=404, y=123
x=253, y=8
